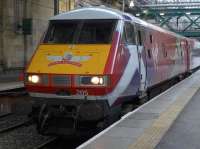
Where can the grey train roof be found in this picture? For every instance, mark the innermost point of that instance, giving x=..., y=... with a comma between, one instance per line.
x=90, y=13
x=106, y=13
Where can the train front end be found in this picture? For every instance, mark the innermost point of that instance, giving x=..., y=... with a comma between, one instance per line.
x=70, y=75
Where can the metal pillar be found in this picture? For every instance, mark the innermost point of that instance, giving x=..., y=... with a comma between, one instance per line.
x=25, y=36
x=56, y=7
x=123, y=5
x=2, y=57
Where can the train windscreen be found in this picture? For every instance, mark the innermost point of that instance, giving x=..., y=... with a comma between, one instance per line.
x=80, y=32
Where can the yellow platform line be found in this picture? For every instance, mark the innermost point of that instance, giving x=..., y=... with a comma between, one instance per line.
x=152, y=136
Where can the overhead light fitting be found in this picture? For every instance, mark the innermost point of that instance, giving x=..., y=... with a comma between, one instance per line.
x=131, y=5
x=145, y=11
x=137, y=15
x=162, y=14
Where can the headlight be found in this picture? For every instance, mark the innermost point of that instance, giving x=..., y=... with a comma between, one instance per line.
x=92, y=81
x=33, y=79
x=97, y=80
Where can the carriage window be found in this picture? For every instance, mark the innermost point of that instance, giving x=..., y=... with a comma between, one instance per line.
x=139, y=37
x=130, y=33
x=151, y=38
x=80, y=31
x=149, y=53
x=164, y=50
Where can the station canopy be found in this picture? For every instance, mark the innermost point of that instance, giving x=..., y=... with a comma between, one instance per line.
x=180, y=16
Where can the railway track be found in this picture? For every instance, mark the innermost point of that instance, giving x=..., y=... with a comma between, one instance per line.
x=20, y=127
x=47, y=143
x=9, y=128
x=2, y=115
x=17, y=131
x=24, y=137
x=10, y=121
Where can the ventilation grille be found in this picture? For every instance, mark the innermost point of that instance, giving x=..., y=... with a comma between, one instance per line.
x=61, y=80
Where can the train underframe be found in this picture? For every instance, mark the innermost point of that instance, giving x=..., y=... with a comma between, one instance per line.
x=72, y=117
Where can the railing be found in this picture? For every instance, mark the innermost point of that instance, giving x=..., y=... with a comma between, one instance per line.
x=156, y=2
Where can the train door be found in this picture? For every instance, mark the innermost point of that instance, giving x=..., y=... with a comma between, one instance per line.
x=129, y=40
x=142, y=59
x=187, y=56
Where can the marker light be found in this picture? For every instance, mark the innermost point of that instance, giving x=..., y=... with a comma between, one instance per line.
x=162, y=14
x=29, y=78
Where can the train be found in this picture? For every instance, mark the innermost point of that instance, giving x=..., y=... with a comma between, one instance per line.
x=91, y=61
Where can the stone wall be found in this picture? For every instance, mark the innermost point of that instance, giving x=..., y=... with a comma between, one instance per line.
x=66, y=5
x=42, y=11
x=12, y=50
x=15, y=48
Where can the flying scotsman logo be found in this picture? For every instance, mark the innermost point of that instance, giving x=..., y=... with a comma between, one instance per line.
x=68, y=58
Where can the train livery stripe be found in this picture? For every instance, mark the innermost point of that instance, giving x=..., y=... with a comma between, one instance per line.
x=112, y=54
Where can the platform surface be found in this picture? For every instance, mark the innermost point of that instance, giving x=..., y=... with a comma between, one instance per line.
x=4, y=86
x=163, y=122
x=185, y=132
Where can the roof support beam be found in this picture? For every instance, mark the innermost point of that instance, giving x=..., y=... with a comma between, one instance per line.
x=191, y=23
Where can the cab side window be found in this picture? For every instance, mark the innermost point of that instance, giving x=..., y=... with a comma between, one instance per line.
x=129, y=34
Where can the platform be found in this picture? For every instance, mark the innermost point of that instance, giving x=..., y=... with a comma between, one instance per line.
x=11, y=85
x=170, y=120
x=10, y=80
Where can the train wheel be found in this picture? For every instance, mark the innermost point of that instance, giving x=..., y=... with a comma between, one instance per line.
x=44, y=115
x=126, y=108
x=143, y=99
